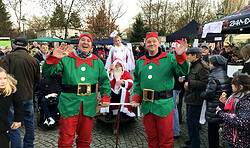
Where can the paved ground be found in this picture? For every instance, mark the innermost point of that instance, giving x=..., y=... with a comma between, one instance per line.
x=131, y=135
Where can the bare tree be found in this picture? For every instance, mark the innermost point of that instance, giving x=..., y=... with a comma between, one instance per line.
x=146, y=6
x=16, y=5
x=164, y=22
x=230, y=6
x=36, y=23
x=114, y=12
x=68, y=6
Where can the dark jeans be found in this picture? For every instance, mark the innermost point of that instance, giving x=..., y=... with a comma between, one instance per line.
x=213, y=135
x=179, y=106
x=49, y=111
x=193, y=116
x=28, y=120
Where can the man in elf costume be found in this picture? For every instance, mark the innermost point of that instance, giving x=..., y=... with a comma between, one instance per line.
x=81, y=70
x=121, y=82
x=153, y=88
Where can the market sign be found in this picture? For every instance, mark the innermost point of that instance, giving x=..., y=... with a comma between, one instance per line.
x=235, y=23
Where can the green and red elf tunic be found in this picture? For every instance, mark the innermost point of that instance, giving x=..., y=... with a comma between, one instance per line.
x=157, y=73
x=74, y=71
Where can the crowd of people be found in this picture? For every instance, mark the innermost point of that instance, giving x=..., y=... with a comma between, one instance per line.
x=68, y=79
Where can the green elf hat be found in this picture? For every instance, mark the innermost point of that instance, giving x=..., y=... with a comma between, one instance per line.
x=151, y=34
x=86, y=34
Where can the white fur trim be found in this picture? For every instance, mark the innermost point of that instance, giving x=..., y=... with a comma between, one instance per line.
x=127, y=81
x=126, y=111
x=123, y=109
x=116, y=91
x=111, y=77
x=104, y=110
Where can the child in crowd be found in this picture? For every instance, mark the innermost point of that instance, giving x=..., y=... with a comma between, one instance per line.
x=8, y=96
x=121, y=82
x=236, y=113
x=218, y=82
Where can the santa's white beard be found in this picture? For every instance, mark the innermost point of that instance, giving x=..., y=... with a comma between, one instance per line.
x=118, y=73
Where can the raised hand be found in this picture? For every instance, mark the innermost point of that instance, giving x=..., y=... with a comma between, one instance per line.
x=59, y=52
x=183, y=46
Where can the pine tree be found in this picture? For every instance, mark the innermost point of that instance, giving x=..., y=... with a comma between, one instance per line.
x=139, y=30
x=58, y=18
x=75, y=20
x=5, y=23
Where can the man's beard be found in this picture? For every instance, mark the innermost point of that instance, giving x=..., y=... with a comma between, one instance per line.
x=117, y=73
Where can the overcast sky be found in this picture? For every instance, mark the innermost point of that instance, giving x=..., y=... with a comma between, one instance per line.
x=130, y=6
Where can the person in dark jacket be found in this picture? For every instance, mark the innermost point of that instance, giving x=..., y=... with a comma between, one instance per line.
x=217, y=83
x=8, y=95
x=236, y=129
x=49, y=90
x=194, y=84
x=26, y=70
x=245, y=53
x=43, y=52
x=142, y=50
x=205, y=52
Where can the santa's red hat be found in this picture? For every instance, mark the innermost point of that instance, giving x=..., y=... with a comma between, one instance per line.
x=86, y=34
x=151, y=34
x=117, y=60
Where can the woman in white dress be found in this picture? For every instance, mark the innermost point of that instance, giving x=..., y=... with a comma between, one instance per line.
x=121, y=52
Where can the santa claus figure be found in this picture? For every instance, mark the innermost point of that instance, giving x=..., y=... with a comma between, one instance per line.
x=121, y=82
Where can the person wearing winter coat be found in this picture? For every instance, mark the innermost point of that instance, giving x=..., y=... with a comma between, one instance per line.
x=8, y=95
x=49, y=89
x=236, y=130
x=218, y=82
x=245, y=53
x=195, y=83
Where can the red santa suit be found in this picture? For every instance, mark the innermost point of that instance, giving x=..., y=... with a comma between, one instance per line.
x=117, y=89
